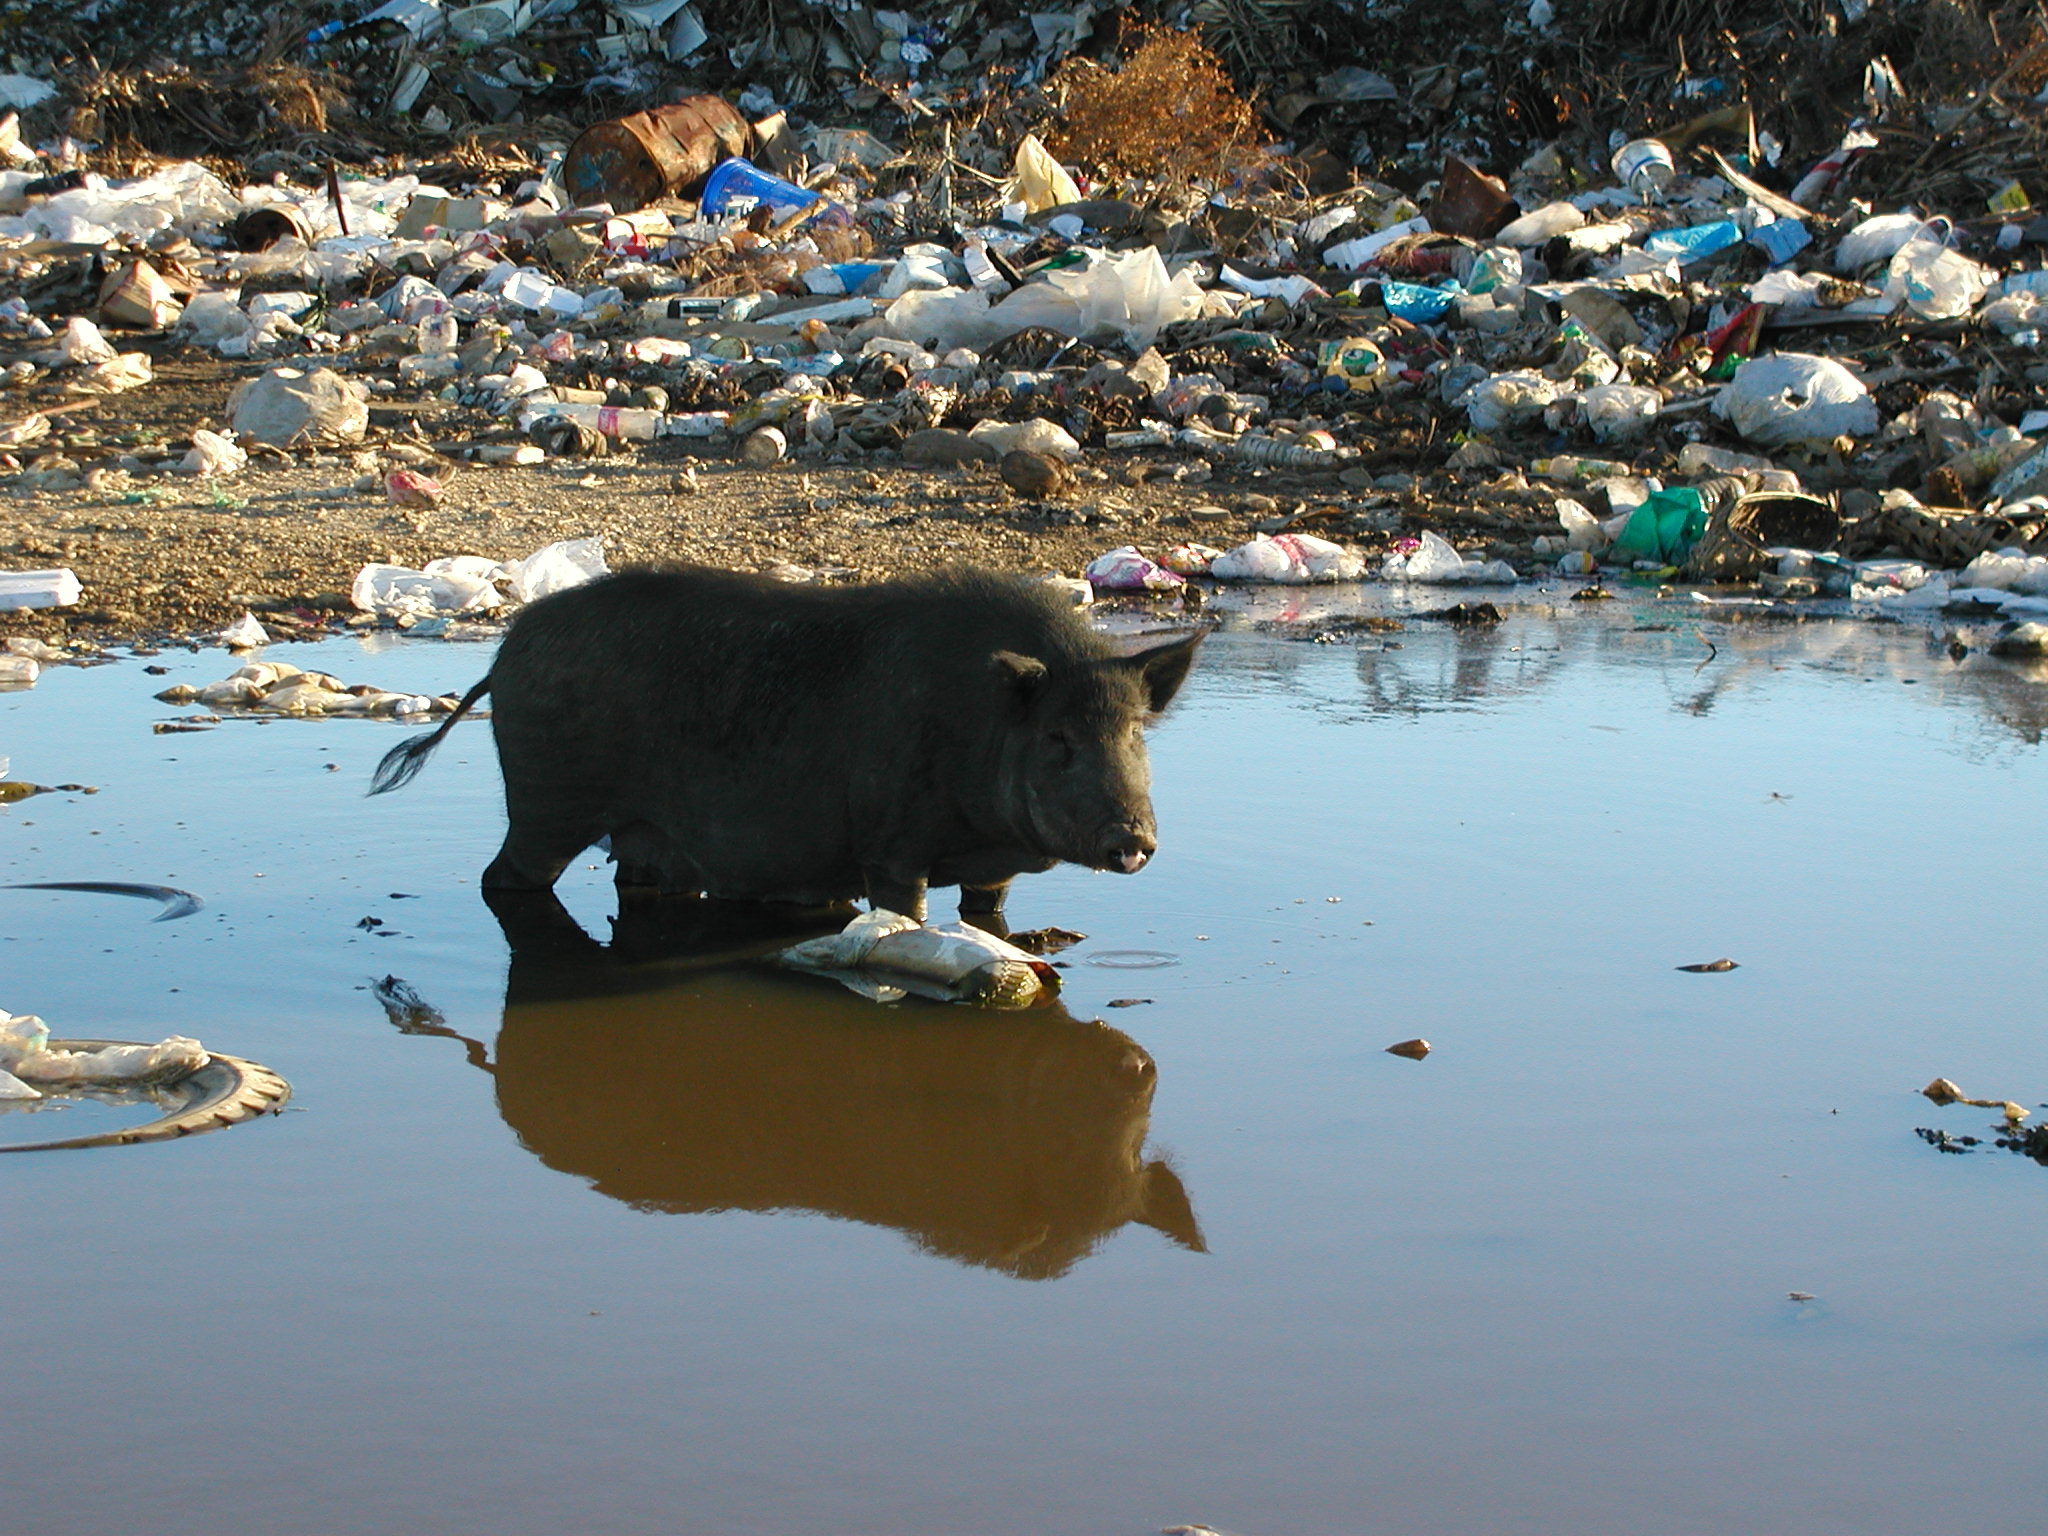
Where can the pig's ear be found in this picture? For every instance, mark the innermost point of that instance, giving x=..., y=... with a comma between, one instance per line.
x=1024, y=673
x=1165, y=668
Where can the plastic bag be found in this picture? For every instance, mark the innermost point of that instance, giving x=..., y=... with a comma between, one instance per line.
x=1695, y=242
x=26, y=1056
x=245, y=634
x=1040, y=182
x=1190, y=559
x=1876, y=239
x=1582, y=530
x=211, y=318
x=1541, y=224
x=287, y=406
x=1293, y=559
x=83, y=345
x=2008, y=570
x=1664, y=528
x=883, y=955
x=1435, y=562
x=459, y=584
x=943, y=318
x=1128, y=295
x=555, y=568
x=1617, y=413
x=1036, y=435
x=1935, y=282
x=1508, y=400
x=213, y=455
x=1791, y=397
x=1128, y=570
x=128, y=370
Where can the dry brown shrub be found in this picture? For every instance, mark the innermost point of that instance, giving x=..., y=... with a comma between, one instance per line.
x=299, y=99
x=1168, y=111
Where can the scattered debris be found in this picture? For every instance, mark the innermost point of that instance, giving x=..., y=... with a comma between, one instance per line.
x=1942, y=1091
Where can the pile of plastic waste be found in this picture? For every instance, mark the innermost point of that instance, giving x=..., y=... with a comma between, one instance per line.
x=1620, y=356
x=278, y=688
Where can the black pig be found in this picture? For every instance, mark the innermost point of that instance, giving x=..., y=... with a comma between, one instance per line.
x=741, y=737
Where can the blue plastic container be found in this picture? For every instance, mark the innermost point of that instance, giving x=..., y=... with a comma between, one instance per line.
x=735, y=179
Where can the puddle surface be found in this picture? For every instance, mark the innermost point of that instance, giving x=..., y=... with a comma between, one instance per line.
x=557, y=1238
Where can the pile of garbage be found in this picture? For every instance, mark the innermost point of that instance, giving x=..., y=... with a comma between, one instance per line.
x=1685, y=355
x=278, y=688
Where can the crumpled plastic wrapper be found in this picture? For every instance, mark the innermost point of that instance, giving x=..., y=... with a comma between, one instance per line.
x=27, y=1060
x=885, y=956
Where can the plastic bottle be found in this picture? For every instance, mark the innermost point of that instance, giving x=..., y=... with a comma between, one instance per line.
x=1568, y=467
x=622, y=422
x=696, y=424
x=1267, y=450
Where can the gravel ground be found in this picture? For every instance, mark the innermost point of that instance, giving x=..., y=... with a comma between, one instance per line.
x=165, y=556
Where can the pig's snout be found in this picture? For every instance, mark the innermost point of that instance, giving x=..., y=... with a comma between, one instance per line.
x=1130, y=851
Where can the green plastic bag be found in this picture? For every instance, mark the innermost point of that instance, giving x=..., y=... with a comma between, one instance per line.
x=1664, y=528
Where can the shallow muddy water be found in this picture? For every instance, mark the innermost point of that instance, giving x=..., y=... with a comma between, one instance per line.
x=560, y=1239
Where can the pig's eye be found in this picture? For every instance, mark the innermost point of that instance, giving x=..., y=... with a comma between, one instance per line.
x=1062, y=746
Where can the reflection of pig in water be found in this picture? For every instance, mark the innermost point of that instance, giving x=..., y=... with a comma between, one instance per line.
x=1012, y=1140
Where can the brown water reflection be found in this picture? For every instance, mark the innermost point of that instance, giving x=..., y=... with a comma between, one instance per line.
x=676, y=1073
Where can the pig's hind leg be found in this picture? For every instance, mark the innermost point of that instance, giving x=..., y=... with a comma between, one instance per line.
x=539, y=844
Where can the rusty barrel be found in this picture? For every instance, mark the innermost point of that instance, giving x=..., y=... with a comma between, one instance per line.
x=631, y=161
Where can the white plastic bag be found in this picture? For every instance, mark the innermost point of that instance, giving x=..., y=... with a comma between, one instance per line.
x=1293, y=559
x=555, y=568
x=25, y=1054
x=1790, y=397
x=1619, y=413
x=1034, y=436
x=2008, y=570
x=1541, y=224
x=1437, y=563
x=211, y=318
x=119, y=374
x=459, y=584
x=954, y=962
x=1876, y=239
x=213, y=455
x=1935, y=282
x=245, y=634
x=83, y=345
x=1508, y=400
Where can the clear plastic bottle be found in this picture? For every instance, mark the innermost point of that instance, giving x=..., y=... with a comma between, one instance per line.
x=623, y=423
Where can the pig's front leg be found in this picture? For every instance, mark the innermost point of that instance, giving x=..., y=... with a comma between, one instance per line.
x=892, y=893
x=981, y=906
